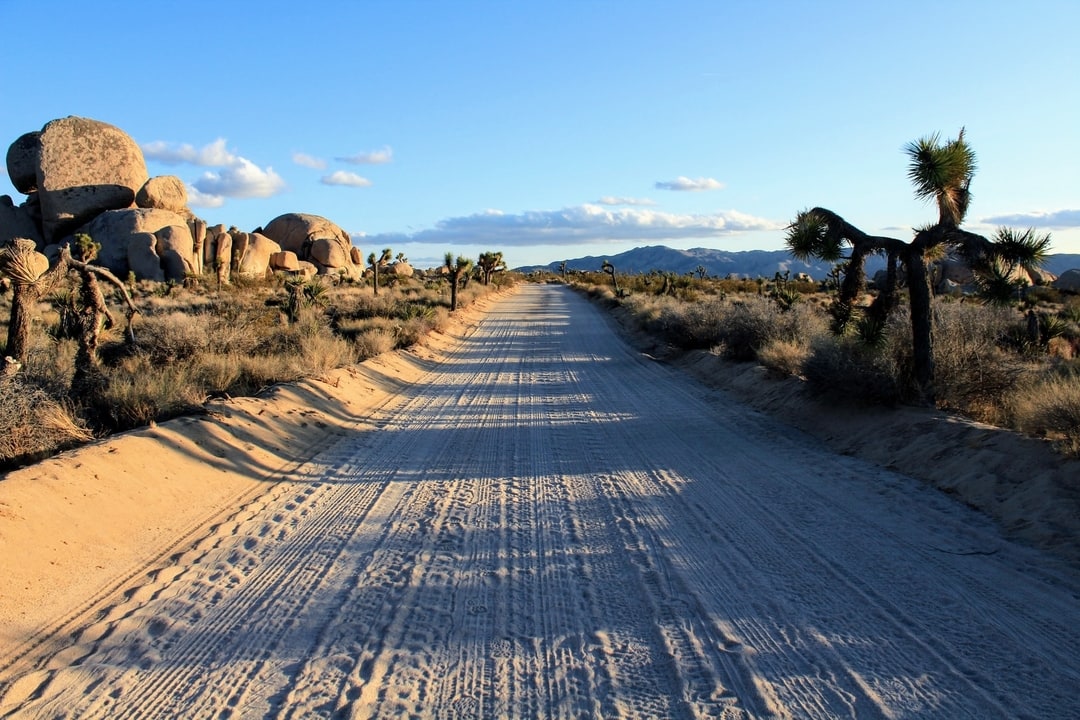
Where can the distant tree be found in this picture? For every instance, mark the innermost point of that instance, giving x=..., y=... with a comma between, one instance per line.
x=702, y=272
x=490, y=263
x=942, y=172
x=562, y=269
x=375, y=262
x=457, y=268
x=610, y=270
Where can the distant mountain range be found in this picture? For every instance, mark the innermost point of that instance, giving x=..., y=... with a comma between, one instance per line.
x=721, y=263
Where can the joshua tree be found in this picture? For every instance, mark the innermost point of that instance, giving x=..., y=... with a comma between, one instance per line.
x=490, y=263
x=376, y=262
x=942, y=172
x=457, y=268
x=23, y=264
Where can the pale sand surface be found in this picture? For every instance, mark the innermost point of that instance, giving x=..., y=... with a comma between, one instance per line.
x=526, y=518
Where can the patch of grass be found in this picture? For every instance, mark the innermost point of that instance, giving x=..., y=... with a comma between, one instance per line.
x=1051, y=407
x=33, y=424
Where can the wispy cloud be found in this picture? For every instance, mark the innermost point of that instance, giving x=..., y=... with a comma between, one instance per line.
x=309, y=161
x=685, y=184
x=237, y=177
x=583, y=224
x=374, y=157
x=213, y=155
x=340, y=177
x=612, y=200
x=1059, y=219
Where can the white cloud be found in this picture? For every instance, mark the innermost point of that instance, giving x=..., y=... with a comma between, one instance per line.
x=238, y=177
x=340, y=177
x=308, y=161
x=1060, y=219
x=241, y=179
x=582, y=224
x=204, y=200
x=213, y=155
x=375, y=157
x=611, y=200
x=685, y=184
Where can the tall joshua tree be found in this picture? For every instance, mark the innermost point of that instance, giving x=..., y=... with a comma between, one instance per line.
x=376, y=262
x=941, y=171
x=457, y=268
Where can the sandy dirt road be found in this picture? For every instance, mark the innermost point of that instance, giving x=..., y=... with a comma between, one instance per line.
x=552, y=525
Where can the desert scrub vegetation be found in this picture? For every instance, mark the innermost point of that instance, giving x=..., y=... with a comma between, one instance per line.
x=198, y=339
x=1015, y=366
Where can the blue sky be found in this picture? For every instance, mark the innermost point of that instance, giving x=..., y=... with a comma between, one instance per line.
x=552, y=130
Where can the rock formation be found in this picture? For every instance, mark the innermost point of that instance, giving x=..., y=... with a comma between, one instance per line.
x=125, y=247
x=252, y=253
x=316, y=240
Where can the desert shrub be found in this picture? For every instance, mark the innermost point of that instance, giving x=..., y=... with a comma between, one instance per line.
x=1051, y=407
x=174, y=337
x=973, y=371
x=847, y=370
x=372, y=342
x=785, y=357
x=322, y=352
x=752, y=322
x=1071, y=311
x=137, y=391
x=412, y=330
x=33, y=424
x=691, y=324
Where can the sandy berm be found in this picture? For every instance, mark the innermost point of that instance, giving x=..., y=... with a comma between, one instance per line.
x=526, y=517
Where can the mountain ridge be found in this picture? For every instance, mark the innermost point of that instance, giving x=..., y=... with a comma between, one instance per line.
x=743, y=263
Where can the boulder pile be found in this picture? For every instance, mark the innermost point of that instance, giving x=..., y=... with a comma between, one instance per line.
x=83, y=175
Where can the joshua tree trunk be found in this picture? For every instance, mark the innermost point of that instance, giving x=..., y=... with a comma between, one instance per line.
x=23, y=299
x=922, y=334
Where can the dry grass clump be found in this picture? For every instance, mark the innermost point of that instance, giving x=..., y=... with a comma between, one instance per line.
x=33, y=424
x=784, y=357
x=973, y=368
x=1050, y=407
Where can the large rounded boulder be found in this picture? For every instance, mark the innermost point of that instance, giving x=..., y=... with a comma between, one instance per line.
x=165, y=192
x=84, y=168
x=1069, y=281
x=316, y=240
